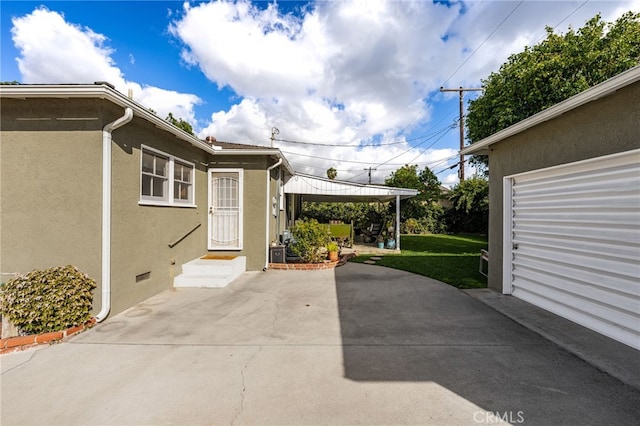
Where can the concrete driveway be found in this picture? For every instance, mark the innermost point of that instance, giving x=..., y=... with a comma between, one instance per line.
x=358, y=345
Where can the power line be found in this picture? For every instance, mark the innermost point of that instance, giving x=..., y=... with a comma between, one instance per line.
x=354, y=145
x=565, y=18
x=484, y=41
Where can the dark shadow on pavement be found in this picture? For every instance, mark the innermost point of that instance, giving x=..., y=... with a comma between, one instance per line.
x=398, y=326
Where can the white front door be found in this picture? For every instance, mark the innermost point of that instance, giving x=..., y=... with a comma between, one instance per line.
x=225, y=209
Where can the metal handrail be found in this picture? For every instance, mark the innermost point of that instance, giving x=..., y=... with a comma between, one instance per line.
x=174, y=243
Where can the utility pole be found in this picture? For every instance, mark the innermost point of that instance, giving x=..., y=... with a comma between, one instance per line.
x=461, y=90
x=370, y=168
x=274, y=132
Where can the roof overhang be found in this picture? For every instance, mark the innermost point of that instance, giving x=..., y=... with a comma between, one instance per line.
x=105, y=91
x=314, y=188
x=598, y=91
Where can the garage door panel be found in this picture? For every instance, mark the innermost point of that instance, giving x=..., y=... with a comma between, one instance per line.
x=579, y=261
x=589, y=290
x=623, y=285
x=621, y=251
x=625, y=333
x=614, y=234
x=575, y=242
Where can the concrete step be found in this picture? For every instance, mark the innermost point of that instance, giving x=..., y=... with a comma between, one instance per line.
x=209, y=271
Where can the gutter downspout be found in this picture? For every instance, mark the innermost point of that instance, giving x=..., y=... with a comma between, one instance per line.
x=106, y=210
x=266, y=232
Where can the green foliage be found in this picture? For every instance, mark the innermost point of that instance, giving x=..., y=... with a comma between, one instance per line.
x=311, y=239
x=332, y=173
x=10, y=83
x=428, y=188
x=360, y=213
x=48, y=300
x=470, y=211
x=332, y=246
x=432, y=223
x=552, y=71
x=179, y=122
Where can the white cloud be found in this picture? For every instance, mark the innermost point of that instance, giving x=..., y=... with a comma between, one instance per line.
x=54, y=51
x=355, y=71
x=364, y=73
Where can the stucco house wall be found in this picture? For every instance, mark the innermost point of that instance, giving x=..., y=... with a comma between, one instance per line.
x=604, y=126
x=51, y=198
x=50, y=185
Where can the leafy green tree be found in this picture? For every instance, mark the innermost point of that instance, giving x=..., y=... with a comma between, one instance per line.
x=179, y=122
x=470, y=211
x=552, y=71
x=428, y=186
x=332, y=173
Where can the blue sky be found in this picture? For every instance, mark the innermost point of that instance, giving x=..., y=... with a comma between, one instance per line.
x=348, y=84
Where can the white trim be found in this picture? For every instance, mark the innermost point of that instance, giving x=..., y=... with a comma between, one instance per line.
x=507, y=235
x=168, y=200
x=598, y=91
x=105, y=261
x=240, y=173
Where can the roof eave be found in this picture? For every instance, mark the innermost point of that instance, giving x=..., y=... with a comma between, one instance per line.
x=102, y=91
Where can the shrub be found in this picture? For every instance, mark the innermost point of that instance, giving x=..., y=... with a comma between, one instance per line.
x=310, y=239
x=48, y=300
x=431, y=223
x=333, y=246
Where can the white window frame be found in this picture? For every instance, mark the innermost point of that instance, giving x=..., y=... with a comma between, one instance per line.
x=168, y=200
x=240, y=173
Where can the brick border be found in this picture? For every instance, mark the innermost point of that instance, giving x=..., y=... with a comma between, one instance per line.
x=11, y=344
x=302, y=266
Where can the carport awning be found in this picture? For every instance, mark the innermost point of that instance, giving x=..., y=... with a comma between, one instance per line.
x=314, y=188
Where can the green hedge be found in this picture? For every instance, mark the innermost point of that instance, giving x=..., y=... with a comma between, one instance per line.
x=48, y=300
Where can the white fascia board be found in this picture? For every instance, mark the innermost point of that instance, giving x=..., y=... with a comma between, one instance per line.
x=272, y=152
x=101, y=91
x=603, y=89
x=316, y=185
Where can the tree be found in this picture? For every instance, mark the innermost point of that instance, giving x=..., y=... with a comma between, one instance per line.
x=332, y=173
x=552, y=71
x=179, y=122
x=428, y=186
x=470, y=211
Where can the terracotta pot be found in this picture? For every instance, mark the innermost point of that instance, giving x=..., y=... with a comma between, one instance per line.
x=333, y=256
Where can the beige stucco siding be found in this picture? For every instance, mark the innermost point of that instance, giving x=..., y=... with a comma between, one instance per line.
x=50, y=186
x=141, y=234
x=49, y=216
x=605, y=126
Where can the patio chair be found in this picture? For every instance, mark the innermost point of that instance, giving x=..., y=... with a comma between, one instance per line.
x=370, y=234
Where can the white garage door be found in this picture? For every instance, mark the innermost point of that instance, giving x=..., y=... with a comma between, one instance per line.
x=572, y=245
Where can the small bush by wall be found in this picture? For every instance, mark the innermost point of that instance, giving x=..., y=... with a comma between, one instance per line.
x=310, y=239
x=48, y=300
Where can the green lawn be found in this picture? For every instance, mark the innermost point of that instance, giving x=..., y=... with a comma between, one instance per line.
x=452, y=259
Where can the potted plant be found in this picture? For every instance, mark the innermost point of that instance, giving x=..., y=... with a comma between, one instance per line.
x=332, y=248
x=380, y=239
